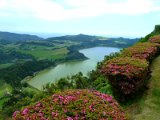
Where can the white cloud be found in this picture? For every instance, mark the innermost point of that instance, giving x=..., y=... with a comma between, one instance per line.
x=72, y=9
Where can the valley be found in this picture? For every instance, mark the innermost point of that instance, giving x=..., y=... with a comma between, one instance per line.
x=25, y=57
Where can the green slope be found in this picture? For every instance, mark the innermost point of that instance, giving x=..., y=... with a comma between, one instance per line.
x=148, y=107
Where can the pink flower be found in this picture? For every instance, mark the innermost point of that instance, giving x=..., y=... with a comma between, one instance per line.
x=65, y=110
x=53, y=114
x=76, y=117
x=85, y=101
x=83, y=111
x=39, y=104
x=69, y=118
x=25, y=111
x=15, y=113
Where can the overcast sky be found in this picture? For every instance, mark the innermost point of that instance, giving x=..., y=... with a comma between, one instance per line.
x=134, y=18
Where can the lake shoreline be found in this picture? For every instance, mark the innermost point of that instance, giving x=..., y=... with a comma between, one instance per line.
x=69, y=68
x=28, y=78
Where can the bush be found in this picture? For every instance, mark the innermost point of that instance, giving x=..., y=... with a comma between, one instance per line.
x=73, y=105
x=155, y=39
x=142, y=51
x=126, y=75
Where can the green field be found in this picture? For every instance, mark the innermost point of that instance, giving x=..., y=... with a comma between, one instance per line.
x=46, y=54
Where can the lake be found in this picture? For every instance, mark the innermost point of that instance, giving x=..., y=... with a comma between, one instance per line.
x=50, y=75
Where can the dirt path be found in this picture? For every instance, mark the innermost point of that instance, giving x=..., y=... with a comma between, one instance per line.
x=148, y=107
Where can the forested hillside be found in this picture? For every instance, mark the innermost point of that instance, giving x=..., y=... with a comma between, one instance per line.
x=14, y=37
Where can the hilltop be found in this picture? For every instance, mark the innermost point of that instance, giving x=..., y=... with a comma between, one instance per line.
x=14, y=37
x=88, y=40
x=156, y=31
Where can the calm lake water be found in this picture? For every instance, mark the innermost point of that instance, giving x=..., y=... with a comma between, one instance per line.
x=95, y=55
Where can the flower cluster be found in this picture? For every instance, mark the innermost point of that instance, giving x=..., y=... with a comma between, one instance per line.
x=126, y=74
x=155, y=39
x=142, y=51
x=73, y=105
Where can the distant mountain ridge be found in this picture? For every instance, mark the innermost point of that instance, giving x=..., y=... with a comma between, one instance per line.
x=84, y=37
x=96, y=40
x=79, y=37
x=86, y=40
x=14, y=37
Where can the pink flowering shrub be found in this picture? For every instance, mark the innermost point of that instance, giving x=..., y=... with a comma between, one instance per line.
x=142, y=51
x=126, y=74
x=155, y=39
x=73, y=105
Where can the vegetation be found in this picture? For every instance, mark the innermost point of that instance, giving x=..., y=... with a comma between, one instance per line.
x=24, y=56
x=18, y=99
x=147, y=106
x=14, y=74
x=126, y=75
x=155, y=39
x=91, y=41
x=142, y=51
x=156, y=31
x=7, y=37
x=42, y=54
x=45, y=53
x=13, y=56
x=73, y=104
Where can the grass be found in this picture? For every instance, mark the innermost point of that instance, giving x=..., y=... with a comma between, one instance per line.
x=46, y=53
x=40, y=52
x=148, y=106
x=5, y=65
x=4, y=87
x=2, y=101
x=31, y=89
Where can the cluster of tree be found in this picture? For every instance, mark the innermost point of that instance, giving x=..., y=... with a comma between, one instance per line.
x=17, y=99
x=11, y=56
x=15, y=73
x=39, y=43
x=4, y=42
x=75, y=55
x=94, y=81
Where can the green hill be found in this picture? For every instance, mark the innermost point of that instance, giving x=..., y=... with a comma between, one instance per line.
x=14, y=37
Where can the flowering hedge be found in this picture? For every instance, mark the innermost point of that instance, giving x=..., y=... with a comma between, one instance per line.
x=73, y=105
x=145, y=50
x=126, y=74
x=155, y=39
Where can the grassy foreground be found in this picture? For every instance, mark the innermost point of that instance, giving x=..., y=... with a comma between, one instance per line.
x=148, y=107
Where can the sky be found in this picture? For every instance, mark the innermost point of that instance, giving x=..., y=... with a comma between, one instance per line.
x=119, y=18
